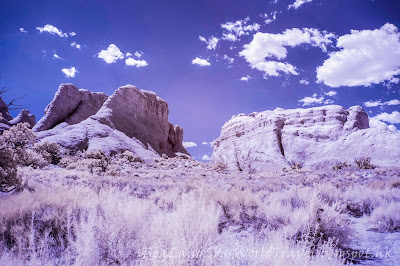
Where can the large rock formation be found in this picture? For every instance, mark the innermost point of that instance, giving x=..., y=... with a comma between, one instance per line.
x=316, y=138
x=24, y=117
x=70, y=105
x=6, y=120
x=130, y=119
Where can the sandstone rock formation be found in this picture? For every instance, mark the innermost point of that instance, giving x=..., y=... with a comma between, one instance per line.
x=130, y=119
x=70, y=105
x=315, y=138
x=6, y=121
x=24, y=117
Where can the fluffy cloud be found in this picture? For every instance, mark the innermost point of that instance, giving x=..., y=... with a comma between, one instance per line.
x=211, y=42
x=331, y=93
x=69, y=72
x=206, y=158
x=138, y=55
x=54, y=31
x=366, y=57
x=393, y=118
x=238, y=28
x=246, y=78
x=128, y=54
x=298, y=3
x=304, y=82
x=23, y=30
x=379, y=103
x=111, y=55
x=268, y=45
x=74, y=44
x=312, y=100
x=200, y=62
x=137, y=63
x=189, y=144
x=56, y=56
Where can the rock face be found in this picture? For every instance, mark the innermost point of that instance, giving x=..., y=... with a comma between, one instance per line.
x=4, y=110
x=130, y=119
x=24, y=117
x=70, y=105
x=316, y=138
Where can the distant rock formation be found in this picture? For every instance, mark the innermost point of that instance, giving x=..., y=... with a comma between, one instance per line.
x=70, y=105
x=130, y=119
x=24, y=117
x=6, y=120
x=316, y=138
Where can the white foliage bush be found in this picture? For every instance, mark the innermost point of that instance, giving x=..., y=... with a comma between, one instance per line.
x=387, y=218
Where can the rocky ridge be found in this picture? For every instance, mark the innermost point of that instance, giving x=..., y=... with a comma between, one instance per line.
x=130, y=119
x=315, y=138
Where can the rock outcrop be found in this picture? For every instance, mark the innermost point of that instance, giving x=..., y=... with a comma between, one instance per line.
x=6, y=120
x=70, y=105
x=130, y=119
x=315, y=138
x=24, y=117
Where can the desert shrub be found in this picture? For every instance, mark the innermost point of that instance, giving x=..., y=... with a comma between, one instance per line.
x=387, y=218
x=220, y=167
x=9, y=178
x=18, y=138
x=50, y=152
x=341, y=165
x=131, y=157
x=364, y=163
x=30, y=157
x=99, y=160
x=295, y=165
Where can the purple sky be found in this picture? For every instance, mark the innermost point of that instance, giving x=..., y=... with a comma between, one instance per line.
x=209, y=59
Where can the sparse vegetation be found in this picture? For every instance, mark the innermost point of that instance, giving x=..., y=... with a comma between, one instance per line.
x=364, y=163
x=295, y=165
x=341, y=166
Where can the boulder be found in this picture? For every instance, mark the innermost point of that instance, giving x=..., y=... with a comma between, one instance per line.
x=130, y=119
x=4, y=111
x=24, y=117
x=70, y=105
x=315, y=138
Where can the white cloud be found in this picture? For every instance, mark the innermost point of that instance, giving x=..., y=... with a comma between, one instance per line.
x=74, y=44
x=228, y=59
x=137, y=63
x=304, y=82
x=328, y=101
x=238, y=28
x=200, y=62
x=56, y=56
x=229, y=37
x=211, y=42
x=128, y=54
x=204, y=143
x=138, y=55
x=312, y=100
x=23, y=30
x=189, y=144
x=379, y=103
x=206, y=158
x=298, y=3
x=111, y=55
x=53, y=30
x=268, y=45
x=72, y=34
x=269, y=18
x=331, y=93
x=393, y=118
x=246, y=78
x=367, y=57
x=69, y=72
